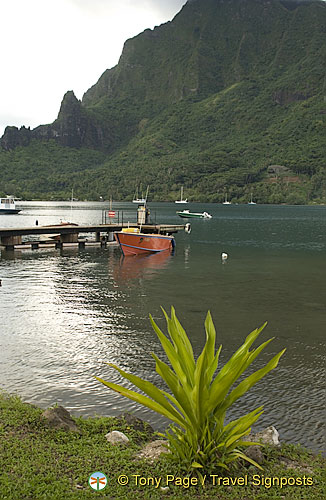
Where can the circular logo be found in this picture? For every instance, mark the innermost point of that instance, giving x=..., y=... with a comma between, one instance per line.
x=97, y=481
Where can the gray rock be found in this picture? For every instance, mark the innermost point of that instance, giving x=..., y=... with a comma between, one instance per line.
x=136, y=423
x=268, y=436
x=254, y=452
x=59, y=418
x=165, y=490
x=117, y=437
x=153, y=450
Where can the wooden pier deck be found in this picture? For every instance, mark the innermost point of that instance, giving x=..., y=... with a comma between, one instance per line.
x=12, y=237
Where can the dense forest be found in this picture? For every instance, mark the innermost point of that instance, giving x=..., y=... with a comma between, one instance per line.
x=227, y=98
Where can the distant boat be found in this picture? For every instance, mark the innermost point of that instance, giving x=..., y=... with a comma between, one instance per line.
x=181, y=197
x=251, y=202
x=8, y=206
x=196, y=215
x=142, y=200
x=226, y=202
x=133, y=242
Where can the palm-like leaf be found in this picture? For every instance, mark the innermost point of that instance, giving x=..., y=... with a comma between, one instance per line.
x=200, y=397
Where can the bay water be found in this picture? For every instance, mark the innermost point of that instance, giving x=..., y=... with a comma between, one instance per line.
x=65, y=314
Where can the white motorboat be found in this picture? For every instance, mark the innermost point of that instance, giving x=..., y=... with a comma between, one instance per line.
x=194, y=215
x=8, y=206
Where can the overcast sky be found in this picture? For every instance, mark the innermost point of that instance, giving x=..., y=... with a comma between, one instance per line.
x=51, y=46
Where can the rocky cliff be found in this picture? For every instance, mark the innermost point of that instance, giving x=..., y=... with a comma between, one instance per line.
x=208, y=46
x=208, y=100
x=74, y=127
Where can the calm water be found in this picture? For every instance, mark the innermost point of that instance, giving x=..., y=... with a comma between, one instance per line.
x=64, y=314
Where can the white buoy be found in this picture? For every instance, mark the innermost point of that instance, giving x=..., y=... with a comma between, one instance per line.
x=224, y=255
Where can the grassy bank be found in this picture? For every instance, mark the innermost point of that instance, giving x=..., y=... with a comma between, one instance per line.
x=38, y=462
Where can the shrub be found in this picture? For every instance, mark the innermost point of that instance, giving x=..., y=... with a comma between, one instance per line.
x=200, y=397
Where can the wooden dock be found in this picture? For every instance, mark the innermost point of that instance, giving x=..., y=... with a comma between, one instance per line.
x=12, y=237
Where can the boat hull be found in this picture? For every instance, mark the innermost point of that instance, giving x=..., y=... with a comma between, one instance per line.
x=8, y=206
x=190, y=216
x=141, y=243
x=193, y=215
x=9, y=211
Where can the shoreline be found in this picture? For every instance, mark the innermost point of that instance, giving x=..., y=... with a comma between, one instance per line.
x=56, y=463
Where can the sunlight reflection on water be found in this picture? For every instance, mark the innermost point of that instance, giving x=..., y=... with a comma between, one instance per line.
x=65, y=314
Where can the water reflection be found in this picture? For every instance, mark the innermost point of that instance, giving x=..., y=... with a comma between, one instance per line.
x=64, y=314
x=186, y=251
x=129, y=268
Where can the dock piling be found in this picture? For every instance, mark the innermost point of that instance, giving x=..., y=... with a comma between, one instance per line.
x=104, y=233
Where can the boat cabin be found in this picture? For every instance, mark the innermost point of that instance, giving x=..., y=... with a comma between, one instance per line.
x=8, y=205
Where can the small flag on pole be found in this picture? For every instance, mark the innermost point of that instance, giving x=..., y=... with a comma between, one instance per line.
x=111, y=213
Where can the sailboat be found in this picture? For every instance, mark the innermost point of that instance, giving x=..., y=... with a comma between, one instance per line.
x=251, y=202
x=142, y=200
x=226, y=202
x=181, y=197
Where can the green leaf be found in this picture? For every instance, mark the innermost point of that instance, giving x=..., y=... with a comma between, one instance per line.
x=145, y=401
x=246, y=384
x=198, y=402
x=148, y=388
x=181, y=398
x=196, y=464
x=223, y=465
x=181, y=345
x=172, y=356
x=239, y=454
x=243, y=424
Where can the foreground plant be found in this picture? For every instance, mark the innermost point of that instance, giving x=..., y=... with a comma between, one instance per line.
x=200, y=396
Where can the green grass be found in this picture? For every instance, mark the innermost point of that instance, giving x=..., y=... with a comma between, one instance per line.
x=37, y=462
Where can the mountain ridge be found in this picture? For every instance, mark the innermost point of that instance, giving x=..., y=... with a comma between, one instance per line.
x=265, y=55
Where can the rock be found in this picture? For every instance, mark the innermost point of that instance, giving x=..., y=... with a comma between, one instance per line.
x=254, y=452
x=137, y=424
x=74, y=127
x=268, y=436
x=59, y=418
x=117, y=437
x=249, y=437
x=153, y=450
x=14, y=137
x=284, y=97
x=164, y=490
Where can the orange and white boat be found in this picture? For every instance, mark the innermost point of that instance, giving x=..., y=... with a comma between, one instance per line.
x=133, y=242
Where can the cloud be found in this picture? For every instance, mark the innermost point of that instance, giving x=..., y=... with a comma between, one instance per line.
x=164, y=7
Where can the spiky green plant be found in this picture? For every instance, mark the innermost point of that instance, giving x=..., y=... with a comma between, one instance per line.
x=200, y=397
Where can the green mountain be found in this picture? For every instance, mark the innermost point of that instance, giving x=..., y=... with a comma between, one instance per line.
x=230, y=96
